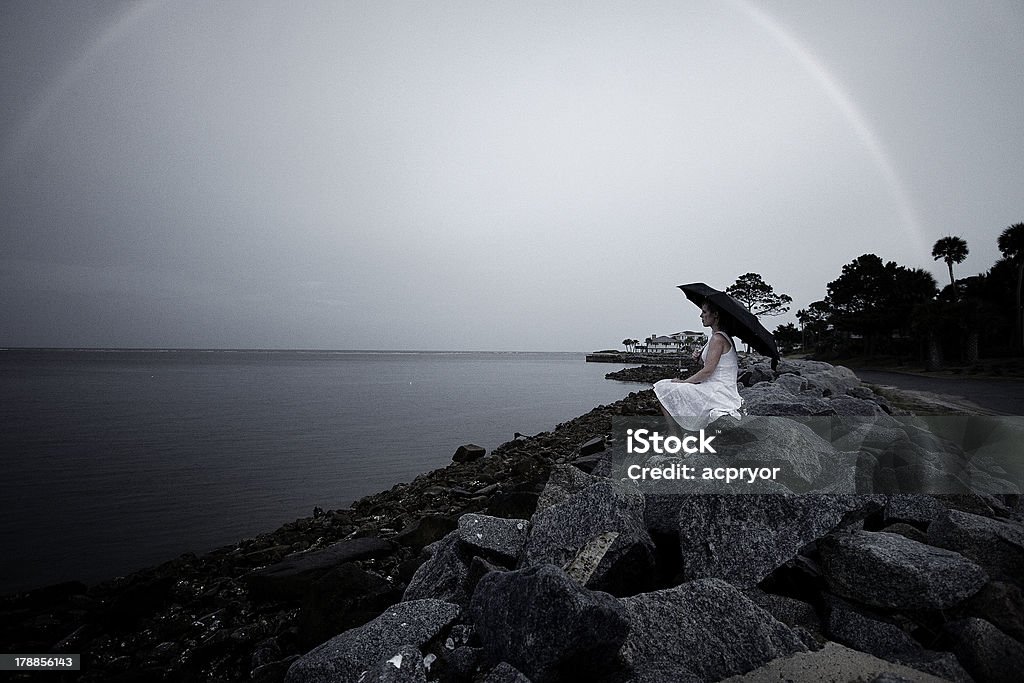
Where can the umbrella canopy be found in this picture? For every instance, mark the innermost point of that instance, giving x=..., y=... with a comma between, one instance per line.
x=742, y=323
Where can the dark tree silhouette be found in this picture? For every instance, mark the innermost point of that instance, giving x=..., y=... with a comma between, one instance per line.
x=951, y=250
x=1011, y=244
x=758, y=296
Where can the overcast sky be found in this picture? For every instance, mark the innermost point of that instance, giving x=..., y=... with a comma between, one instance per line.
x=482, y=175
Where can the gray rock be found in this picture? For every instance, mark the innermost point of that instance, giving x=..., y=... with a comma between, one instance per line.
x=768, y=399
x=794, y=384
x=563, y=482
x=870, y=634
x=848, y=406
x=559, y=532
x=494, y=537
x=469, y=452
x=833, y=380
x=347, y=655
x=892, y=571
x=1002, y=604
x=833, y=662
x=701, y=631
x=772, y=441
x=404, y=666
x=854, y=434
x=505, y=673
x=743, y=539
x=547, y=626
x=292, y=576
x=444, y=575
x=995, y=545
x=912, y=507
x=987, y=653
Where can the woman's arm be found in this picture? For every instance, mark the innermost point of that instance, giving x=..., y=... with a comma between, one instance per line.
x=716, y=347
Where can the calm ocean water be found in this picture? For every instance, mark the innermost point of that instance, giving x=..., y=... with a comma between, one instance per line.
x=118, y=460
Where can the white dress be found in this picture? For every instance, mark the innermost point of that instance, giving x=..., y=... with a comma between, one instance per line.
x=693, y=406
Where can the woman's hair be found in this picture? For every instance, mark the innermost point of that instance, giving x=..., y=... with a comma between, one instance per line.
x=724, y=321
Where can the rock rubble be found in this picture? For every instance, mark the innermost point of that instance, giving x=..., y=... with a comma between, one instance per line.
x=541, y=562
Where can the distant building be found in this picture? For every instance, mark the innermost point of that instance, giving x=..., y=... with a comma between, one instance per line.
x=679, y=342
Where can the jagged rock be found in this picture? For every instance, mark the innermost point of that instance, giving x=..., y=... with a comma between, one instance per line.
x=1002, y=604
x=292, y=576
x=743, y=539
x=701, y=631
x=559, y=532
x=505, y=673
x=870, y=634
x=345, y=597
x=547, y=626
x=404, y=666
x=468, y=452
x=987, y=653
x=892, y=571
x=833, y=380
x=772, y=441
x=563, y=482
x=347, y=655
x=443, y=576
x=848, y=406
x=496, y=537
x=768, y=399
x=794, y=384
x=833, y=662
x=997, y=546
x=912, y=507
x=860, y=433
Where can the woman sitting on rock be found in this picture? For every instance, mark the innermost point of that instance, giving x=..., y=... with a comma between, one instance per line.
x=710, y=392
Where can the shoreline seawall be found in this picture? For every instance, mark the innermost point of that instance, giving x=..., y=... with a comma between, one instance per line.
x=256, y=609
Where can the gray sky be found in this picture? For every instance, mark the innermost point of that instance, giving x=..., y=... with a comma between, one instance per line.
x=482, y=175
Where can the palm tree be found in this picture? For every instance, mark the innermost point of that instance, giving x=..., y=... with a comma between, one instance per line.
x=951, y=250
x=1011, y=244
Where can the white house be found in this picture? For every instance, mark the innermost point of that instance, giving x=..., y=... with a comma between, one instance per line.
x=678, y=342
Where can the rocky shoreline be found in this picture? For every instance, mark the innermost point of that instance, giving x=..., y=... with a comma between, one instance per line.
x=538, y=563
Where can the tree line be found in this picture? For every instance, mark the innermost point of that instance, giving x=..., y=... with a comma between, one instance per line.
x=876, y=307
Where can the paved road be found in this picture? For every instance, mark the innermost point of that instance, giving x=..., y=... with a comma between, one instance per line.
x=1005, y=396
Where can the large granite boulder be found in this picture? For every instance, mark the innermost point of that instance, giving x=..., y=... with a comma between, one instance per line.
x=995, y=545
x=894, y=572
x=494, y=538
x=562, y=483
x=561, y=531
x=545, y=625
x=834, y=662
x=743, y=539
x=986, y=652
x=769, y=399
x=346, y=656
x=701, y=631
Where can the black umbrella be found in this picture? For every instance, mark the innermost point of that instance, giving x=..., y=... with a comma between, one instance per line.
x=741, y=323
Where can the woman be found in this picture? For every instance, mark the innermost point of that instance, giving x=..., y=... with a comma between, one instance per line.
x=710, y=392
